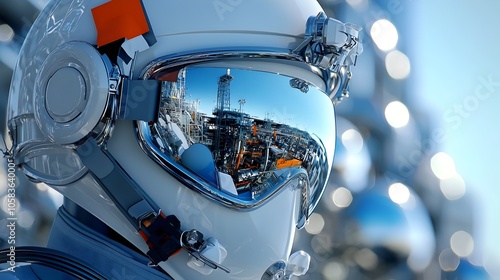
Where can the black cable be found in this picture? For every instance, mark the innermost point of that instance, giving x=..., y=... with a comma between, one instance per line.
x=54, y=259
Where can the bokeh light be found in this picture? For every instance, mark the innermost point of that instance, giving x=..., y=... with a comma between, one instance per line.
x=352, y=140
x=335, y=271
x=397, y=114
x=461, y=243
x=453, y=187
x=443, y=166
x=26, y=218
x=342, y=197
x=399, y=193
x=384, y=34
x=315, y=224
x=448, y=261
x=6, y=33
x=397, y=65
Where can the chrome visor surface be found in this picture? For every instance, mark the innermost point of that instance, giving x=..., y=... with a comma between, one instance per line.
x=240, y=136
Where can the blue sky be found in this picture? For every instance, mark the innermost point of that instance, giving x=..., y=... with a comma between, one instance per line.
x=266, y=95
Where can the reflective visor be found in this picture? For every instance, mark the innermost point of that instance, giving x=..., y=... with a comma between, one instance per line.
x=239, y=136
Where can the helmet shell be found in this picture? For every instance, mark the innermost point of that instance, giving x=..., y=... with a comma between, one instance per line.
x=255, y=239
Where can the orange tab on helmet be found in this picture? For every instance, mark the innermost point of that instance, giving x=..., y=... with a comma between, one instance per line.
x=119, y=19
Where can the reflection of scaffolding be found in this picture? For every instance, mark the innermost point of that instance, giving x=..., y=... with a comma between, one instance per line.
x=183, y=113
x=175, y=98
x=196, y=126
x=223, y=105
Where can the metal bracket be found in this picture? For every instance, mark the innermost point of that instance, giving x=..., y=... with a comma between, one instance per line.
x=332, y=46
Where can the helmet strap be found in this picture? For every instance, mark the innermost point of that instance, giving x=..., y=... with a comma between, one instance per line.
x=161, y=233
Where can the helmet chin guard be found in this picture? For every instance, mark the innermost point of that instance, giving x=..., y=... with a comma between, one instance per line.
x=72, y=90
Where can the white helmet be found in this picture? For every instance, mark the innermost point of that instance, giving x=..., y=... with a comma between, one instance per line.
x=125, y=108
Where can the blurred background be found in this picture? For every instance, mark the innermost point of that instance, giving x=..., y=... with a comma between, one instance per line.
x=413, y=192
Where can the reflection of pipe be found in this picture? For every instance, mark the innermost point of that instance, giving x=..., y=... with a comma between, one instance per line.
x=306, y=154
x=240, y=155
x=286, y=163
x=247, y=174
x=254, y=130
x=267, y=155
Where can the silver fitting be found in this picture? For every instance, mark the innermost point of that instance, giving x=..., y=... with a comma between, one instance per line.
x=192, y=241
x=332, y=46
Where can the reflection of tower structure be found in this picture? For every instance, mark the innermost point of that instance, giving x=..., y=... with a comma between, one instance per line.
x=223, y=105
x=238, y=147
x=181, y=84
x=242, y=102
x=224, y=92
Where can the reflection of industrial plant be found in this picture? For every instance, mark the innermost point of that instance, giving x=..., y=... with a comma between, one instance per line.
x=242, y=146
